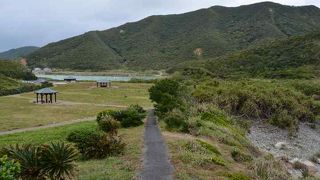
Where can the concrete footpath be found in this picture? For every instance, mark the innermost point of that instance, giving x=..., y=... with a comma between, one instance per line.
x=156, y=164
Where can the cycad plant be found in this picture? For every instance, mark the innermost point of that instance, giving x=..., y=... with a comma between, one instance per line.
x=29, y=158
x=58, y=160
x=55, y=161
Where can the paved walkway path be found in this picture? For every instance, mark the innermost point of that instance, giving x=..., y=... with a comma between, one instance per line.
x=47, y=126
x=156, y=165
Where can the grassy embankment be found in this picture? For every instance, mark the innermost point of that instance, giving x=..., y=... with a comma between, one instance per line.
x=207, y=122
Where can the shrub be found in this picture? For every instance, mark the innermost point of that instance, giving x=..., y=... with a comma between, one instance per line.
x=281, y=104
x=9, y=169
x=97, y=144
x=269, y=168
x=208, y=146
x=239, y=156
x=57, y=160
x=131, y=117
x=109, y=125
x=218, y=160
x=166, y=94
x=176, y=120
x=239, y=176
x=29, y=157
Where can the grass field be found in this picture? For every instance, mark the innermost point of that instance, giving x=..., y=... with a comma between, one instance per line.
x=117, y=167
x=75, y=101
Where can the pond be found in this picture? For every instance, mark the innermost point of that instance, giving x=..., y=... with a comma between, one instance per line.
x=94, y=78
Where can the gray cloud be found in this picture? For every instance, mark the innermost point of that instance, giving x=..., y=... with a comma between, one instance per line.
x=38, y=22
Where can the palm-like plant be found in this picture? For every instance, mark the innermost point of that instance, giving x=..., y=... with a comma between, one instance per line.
x=29, y=158
x=58, y=160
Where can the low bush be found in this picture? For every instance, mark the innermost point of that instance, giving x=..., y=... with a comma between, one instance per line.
x=239, y=156
x=269, y=168
x=281, y=104
x=9, y=169
x=218, y=160
x=109, y=125
x=176, y=120
x=208, y=146
x=97, y=144
x=131, y=117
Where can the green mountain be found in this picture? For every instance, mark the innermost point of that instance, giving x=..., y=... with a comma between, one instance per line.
x=159, y=42
x=295, y=57
x=18, y=53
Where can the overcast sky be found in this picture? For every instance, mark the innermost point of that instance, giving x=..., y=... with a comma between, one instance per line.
x=38, y=22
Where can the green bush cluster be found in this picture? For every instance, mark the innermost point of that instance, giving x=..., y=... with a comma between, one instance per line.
x=54, y=161
x=282, y=105
x=201, y=153
x=9, y=169
x=170, y=106
x=131, y=117
x=96, y=144
x=239, y=156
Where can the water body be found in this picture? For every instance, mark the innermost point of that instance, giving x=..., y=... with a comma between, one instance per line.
x=94, y=78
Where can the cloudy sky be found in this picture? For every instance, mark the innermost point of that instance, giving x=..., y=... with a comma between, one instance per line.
x=38, y=22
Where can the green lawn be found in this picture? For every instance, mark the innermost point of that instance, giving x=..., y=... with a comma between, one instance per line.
x=119, y=94
x=75, y=101
x=117, y=167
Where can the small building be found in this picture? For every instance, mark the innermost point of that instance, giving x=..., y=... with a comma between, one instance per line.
x=70, y=79
x=103, y=83
x=45, y=95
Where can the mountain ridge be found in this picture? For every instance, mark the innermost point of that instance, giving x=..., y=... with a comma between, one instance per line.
x=18, y=52
x=158, y=42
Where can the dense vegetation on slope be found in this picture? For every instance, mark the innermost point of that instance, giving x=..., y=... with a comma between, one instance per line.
x=296, y=57
x=15, y=70
x=18, y=53
x=158, y=42
x=10, y=74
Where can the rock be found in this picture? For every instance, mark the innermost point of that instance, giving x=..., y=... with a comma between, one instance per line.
x=312, y=169
x=316, y=97
x=281, y=145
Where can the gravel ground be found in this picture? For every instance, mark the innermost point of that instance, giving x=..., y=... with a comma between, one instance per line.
x=156, y=165
x=307, y=142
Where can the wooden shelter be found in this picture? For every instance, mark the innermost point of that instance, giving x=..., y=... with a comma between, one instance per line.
x=46, y=95
x=103, y=83
x=70, y=79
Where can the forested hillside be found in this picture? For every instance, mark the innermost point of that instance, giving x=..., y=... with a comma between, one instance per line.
x=159, y=42
x=296, y=57
x=15, y=70
x=18, y=53
x=10, y=75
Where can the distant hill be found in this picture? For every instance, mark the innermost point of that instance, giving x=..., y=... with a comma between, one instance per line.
x=17, y=53
x=159, y=42
x=295, y=57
